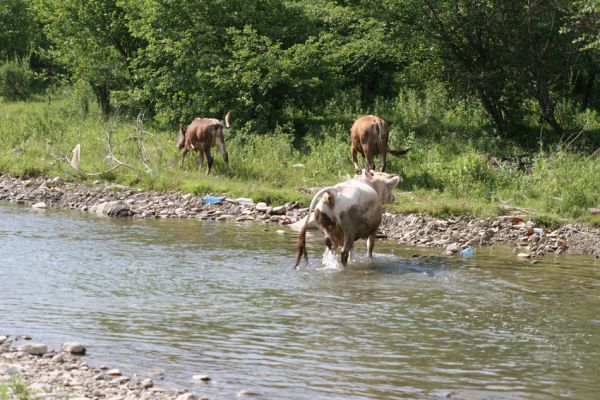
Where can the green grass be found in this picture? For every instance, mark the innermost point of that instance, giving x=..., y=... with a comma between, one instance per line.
x=15, y=389
x=447, y=171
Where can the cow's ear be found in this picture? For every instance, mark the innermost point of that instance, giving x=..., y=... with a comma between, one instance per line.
x=393, y=181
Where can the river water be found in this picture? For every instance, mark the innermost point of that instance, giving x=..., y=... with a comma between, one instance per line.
x=176, y=298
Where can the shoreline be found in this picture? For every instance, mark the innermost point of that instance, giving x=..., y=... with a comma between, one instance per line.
x=65, y=374
x=450, y=235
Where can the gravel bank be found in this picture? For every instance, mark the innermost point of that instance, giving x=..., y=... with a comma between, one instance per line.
x=64, y=374
x=451, y=235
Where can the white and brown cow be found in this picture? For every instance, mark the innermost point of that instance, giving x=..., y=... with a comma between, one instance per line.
x=349, y=211
x=201, y=135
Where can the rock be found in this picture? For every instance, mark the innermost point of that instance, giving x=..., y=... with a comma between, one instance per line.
x=113, y=372
x=187, y=396
x=203, y=378
x=452, y=249
x=147, y=383
x=59, y=358
x=524, y=255
x=40, y=206
x=111, y=208
x=261, y=206
x=3, y=339
x=244, y=201
x=244, y=393
x=73, y=348
x=279, y=210
x=35, y=349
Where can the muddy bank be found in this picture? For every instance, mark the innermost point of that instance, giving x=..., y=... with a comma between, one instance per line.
x=450, y=235
x=64, y=374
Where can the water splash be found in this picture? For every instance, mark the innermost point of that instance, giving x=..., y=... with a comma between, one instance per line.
x=330, y=260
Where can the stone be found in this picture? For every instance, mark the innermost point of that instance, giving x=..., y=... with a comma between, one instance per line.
x=3, y=338
x=452, y=249
x=35, y=349
x=203, y=378
x=261, y=206
x=111, y=208
x=113, y=372
x=147, y=383
x=187, y=396
x=40, y=206
x=244, y=393
x=279, y=210
x=73, y=348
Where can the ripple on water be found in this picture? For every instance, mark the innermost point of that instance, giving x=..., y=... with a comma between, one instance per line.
x=223, y=299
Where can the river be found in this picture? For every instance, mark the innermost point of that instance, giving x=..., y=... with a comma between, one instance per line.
x=177, y=298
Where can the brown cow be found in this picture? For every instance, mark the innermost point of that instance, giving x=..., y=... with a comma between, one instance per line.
x=350, y=211
x=369, y=136
x=201, y=135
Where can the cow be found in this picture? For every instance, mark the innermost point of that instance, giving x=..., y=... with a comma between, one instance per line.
x=201, y=135
x=369, y=135
x=349, y=211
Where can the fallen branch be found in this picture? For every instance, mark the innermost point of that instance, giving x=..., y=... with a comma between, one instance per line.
x=119, y=164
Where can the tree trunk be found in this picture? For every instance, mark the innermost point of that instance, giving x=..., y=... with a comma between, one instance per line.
x=103, y=96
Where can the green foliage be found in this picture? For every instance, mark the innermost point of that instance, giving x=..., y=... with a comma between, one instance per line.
x=16, y=80
x=446, y=172
x=15, y=389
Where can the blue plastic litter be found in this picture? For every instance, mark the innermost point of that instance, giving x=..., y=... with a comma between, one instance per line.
x=212, y=199
x=466, y=252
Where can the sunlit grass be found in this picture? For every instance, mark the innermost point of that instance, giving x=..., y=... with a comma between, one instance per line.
x=445, y=172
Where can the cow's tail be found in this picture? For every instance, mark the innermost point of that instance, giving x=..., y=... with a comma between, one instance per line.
x=398, y=153
x=301, y=242
x=377, y=129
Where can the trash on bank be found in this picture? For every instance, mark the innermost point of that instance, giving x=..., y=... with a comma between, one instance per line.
x=466, y=252
x=212, y=199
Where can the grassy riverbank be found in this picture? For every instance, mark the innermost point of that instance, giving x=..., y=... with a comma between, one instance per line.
x=447, y=171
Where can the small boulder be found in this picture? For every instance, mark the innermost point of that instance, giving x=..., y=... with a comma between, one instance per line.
x=187, y=396
x=40, y=206
x=112, y=208
x=35, y=349
x=452, y=249
x=73, y=348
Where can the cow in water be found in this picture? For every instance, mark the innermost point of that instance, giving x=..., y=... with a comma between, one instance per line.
x=369, y=135
x=201, y=135
x=349, y=211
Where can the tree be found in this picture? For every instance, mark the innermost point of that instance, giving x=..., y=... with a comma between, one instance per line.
x=91, y=39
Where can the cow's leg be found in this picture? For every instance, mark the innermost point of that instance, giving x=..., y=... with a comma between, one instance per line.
x=382, y=156
x=370, y=245
x=348, y=243
x=220, y=141
x=368, y=157
x=185, y=151
x=355, y=159
x=200, y=160
x=209, y=158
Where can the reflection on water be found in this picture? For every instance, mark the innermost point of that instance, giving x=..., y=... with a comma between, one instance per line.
x=222, y=299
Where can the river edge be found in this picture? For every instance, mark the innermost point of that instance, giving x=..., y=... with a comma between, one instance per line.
x=56, y=374
x=451, y=235
x=49, y=374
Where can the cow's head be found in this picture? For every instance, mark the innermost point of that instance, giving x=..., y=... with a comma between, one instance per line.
x=383, y=183
x=181, y=138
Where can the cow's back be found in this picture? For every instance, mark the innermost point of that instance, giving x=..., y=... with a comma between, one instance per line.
x=364, y=131
x=202, y=131
x=356, y=207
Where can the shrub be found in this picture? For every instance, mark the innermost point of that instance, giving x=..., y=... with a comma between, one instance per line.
x=16, y=80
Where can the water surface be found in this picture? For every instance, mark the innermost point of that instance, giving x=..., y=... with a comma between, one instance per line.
x=222, y=299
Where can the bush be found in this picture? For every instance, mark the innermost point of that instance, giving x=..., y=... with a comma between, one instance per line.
x=16, y=80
